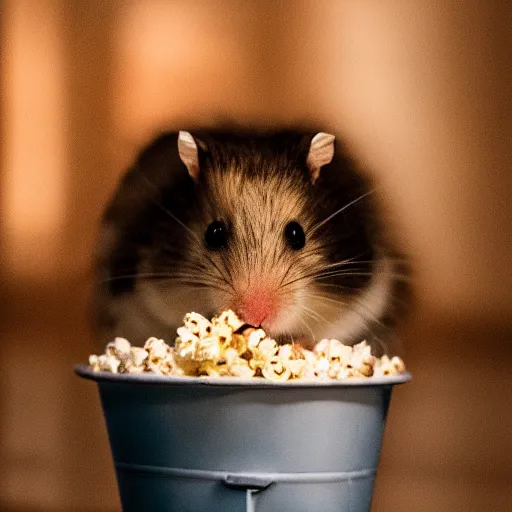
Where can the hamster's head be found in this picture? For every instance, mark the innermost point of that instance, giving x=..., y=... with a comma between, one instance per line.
x=280, y=228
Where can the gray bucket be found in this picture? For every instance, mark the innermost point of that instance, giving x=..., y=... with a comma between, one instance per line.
x=185, y=444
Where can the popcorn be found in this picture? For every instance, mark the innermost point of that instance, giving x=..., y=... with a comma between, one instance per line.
x=105, y=363
x=160, y=358
x=209, y=349
x=297, y=367
x=217, y=348
x=229, y=356
x=268, y=347
x=228, y=319
x=197, y=324
x=239, y=343
x=186, y=344
x=362, y=360
x=134, y=369
x=240, y=368
x=333, y=350
x=213, y=369
x=347, y=372
x=297, y=359
x=120, y=348
x=231, y=365
x=223, y=333
x=257, y=360
x=94, y=363
x=398, y=364
x=138, y=356
x=275, y=369
x=156, y=348
x=135, y=362
x=385, y=366
x=111, y=364
x=322, y=367
x=255, y=337
x=260, y=354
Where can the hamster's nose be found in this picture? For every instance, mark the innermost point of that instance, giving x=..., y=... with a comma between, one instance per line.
x=257, y=305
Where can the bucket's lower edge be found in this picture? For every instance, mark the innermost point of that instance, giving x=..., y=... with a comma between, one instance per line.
x=164, y=489
x=228, y=477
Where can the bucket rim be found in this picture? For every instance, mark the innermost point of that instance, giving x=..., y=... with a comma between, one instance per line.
x=84, y=371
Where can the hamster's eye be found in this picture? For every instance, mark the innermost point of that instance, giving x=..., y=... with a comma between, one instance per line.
x=216, y=235
x=295, y=237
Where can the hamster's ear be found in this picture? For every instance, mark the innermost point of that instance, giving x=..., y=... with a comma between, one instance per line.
x=189, y=154
x=320, y=153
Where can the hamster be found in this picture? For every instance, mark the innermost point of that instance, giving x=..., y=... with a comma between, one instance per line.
x=279, y=226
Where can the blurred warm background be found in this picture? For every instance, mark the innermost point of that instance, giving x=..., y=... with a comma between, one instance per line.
x=421, y=92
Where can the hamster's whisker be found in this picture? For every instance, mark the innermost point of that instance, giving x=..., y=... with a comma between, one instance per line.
x=375, y=339
x=342, y=209
x=347, y=288
x=382, y=344
x=195, y=273
x=165, y=210
x=323, y=300
x=226, y=267
x=126, y=276
x=329, y=275
x=370, y=314
x=147, y=275
x=290, y=266
x=320, y=317
x=308, y=315
x=220, y=273
x=354, y=261
x=181, y=277
x=294, y=281
x=341, y=271
x=349, y=261
x=323, y=270
x=313, y=314
x=326, y=299
x=197, y=284
x=302, y=321
x=347, y=272
x=302, y=276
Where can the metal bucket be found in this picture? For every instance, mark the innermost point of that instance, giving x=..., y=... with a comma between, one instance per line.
x=185, y=444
